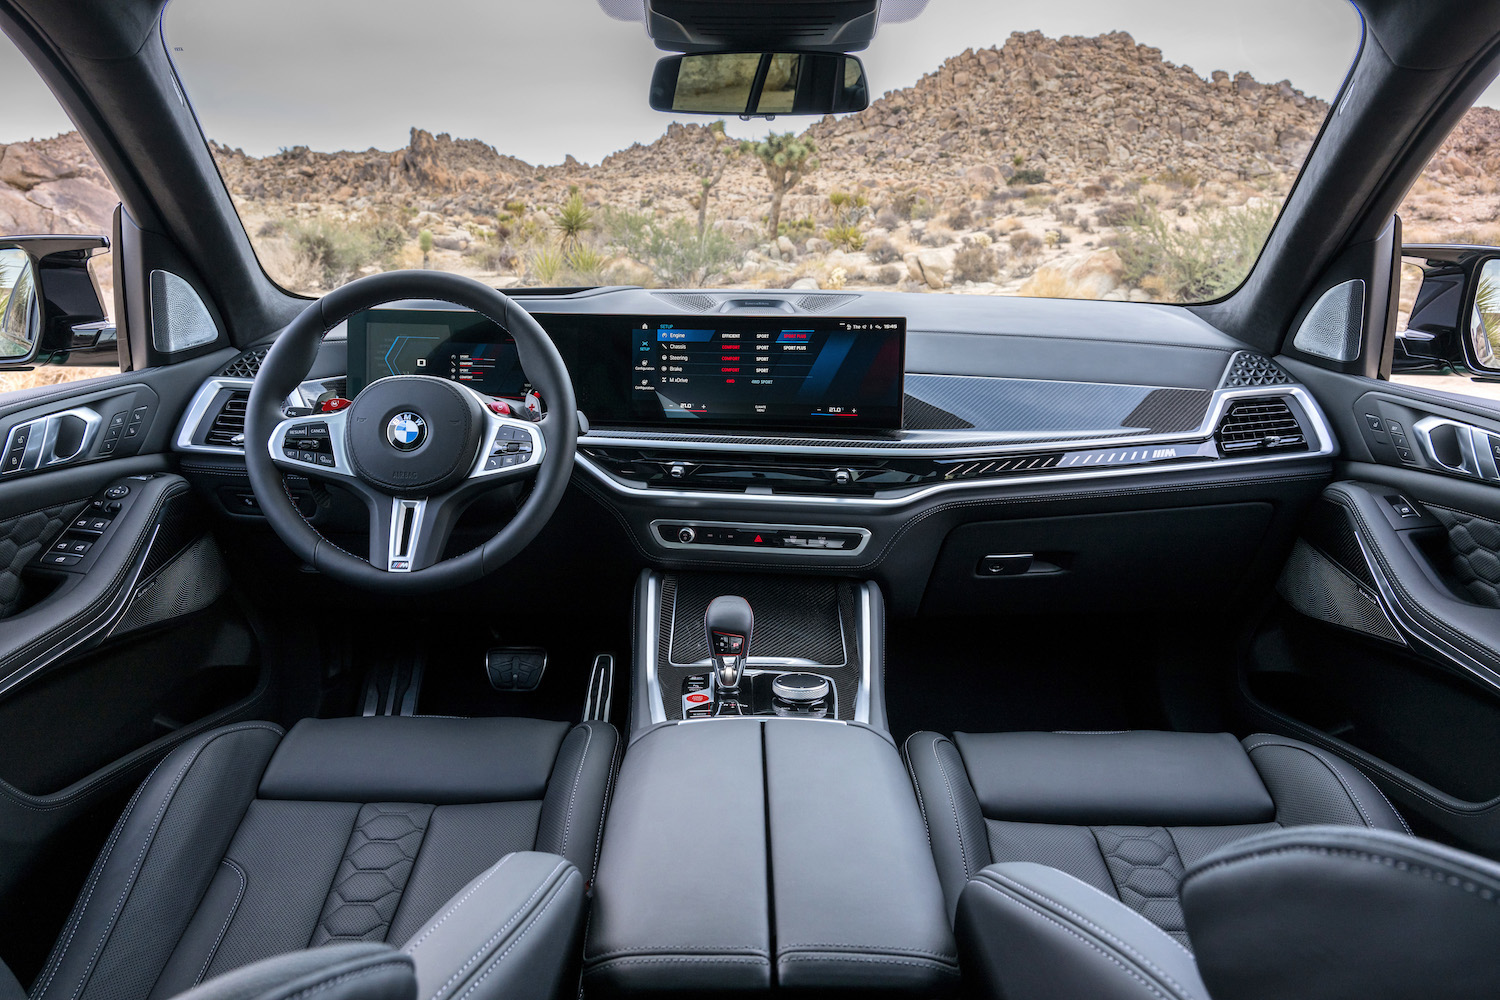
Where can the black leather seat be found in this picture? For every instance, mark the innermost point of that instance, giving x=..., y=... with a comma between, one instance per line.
x=422, y=833
x=1124, y=812
x=1143, y=864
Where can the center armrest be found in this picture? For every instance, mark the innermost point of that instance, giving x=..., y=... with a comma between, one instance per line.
x=745, y=853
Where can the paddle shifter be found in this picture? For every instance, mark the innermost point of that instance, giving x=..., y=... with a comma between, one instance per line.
x=729, y=622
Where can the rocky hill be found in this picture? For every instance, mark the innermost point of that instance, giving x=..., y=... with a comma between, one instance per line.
x=1038, y=166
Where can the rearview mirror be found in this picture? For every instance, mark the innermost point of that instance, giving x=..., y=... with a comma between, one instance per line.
x=760, y=84
x=20, y=310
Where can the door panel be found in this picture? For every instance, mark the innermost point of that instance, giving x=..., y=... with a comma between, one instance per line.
x=120, y=635
x=1384, y=644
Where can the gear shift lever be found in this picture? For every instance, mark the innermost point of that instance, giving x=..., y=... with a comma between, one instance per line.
x=729, y=622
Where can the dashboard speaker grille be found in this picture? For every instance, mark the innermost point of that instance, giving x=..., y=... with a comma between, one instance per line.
x=1333, y=325
x=179, y=319
x=228, y=428
x=822, y=303
x=1255, y=425
x=247, y=365
x=1246, y=370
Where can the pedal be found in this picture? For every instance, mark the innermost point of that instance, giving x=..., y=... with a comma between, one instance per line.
x=515, y=668
x=601, y=689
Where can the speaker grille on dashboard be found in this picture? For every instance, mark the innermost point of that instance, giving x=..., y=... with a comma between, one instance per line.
x=247, y=365
x=1332, y=327
x=179, y=319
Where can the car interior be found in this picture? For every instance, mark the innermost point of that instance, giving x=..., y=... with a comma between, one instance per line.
x=430, y=639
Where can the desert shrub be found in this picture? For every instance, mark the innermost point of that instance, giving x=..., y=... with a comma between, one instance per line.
x=674, y=250
x=489, y=256
x=1203, y=260
x=922, y=208
x=845, y=237
x=961, y=217
x=888, y=275
x=516, y=208
x=797, y=230
x=545, y=263
x=975, y=262
x=1183, y=180
x=882, y=251
x=1094, y=191
x=585, y=264
x=336, y=252
x=1115, y=213
x=1023, y=243
x=887, y=218
x=1027, y=176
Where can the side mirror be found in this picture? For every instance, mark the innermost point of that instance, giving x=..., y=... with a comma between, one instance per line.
x=760, y=84
x=20, y=309
x=50, y=309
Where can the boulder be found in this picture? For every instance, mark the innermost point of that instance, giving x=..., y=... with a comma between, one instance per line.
x=787, y=247
x=805, y=285
x=80, y=206
x=451, y=241
x=24, y=166
x=18, y=216
x=931, y=267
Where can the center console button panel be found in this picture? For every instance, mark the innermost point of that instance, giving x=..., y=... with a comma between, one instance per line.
x=814, y=539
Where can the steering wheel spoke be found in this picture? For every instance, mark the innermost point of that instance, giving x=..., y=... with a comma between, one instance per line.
x=312, y=446
x=512, y=449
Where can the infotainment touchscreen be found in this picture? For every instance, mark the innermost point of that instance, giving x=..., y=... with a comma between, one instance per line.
x=826, y=374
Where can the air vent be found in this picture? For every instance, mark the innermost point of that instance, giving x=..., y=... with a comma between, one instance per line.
x=977, y=469
x=247, y=365
x=1256, y=425
x=228, y=429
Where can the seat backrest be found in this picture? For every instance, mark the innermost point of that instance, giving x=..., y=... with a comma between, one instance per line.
x=1319, y=913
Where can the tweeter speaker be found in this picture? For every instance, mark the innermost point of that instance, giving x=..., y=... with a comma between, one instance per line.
x=179, y=319
x=1333, y=326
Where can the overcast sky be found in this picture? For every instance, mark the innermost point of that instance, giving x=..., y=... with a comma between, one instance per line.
x=543, y=79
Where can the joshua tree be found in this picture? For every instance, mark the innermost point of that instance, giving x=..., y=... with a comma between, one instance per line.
x=787, y=158
x=424, y=241
x=710, y=170
x=573, y=219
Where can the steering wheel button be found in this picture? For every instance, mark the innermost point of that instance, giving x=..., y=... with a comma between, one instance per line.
x=492, y=463
x=326, y=460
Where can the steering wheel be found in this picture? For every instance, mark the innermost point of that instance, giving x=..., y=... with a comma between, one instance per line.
x=416, y=448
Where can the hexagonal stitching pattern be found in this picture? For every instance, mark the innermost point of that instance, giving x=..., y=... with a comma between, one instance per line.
x=21, y=538
x=372, y=877
x=1147, y=872
x=1474, y=554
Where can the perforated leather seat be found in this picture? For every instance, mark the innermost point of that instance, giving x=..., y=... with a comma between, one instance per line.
x=1126, y=813
x=245, y=843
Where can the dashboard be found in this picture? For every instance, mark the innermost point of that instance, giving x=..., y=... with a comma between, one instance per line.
x=825, y=374
x=891, y=433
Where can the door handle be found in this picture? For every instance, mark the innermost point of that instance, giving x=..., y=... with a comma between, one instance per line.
x=1458, y=447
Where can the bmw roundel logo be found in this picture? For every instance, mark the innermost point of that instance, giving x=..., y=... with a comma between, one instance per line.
x=406, y=431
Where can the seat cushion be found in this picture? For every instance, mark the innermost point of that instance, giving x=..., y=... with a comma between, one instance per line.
x=245, y=843
x=1126, y=813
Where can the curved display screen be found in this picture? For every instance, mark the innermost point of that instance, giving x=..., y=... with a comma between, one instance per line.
x=829, y=374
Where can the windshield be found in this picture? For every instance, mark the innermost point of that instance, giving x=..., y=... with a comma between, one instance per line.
x=1080, y=148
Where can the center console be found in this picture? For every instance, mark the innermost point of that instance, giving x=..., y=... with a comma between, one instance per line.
x=812, y=648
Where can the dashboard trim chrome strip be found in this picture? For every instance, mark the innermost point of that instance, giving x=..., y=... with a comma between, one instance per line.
x=925, y=444
x=1319, y=426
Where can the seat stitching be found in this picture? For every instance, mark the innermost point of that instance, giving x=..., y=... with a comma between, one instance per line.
x=577, y=779
x=609, y=787
x=1028, y=907
x=55, y=963
x=346, y=977
x=234, y=907
x=1463, y=883
x=1331, y=770
x=412, y=948
x=536, y=919
x=916, y=785
x=963, y=851
x=1096, y=928
x=920, y=963
x=146, y=847
x=520, y=912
